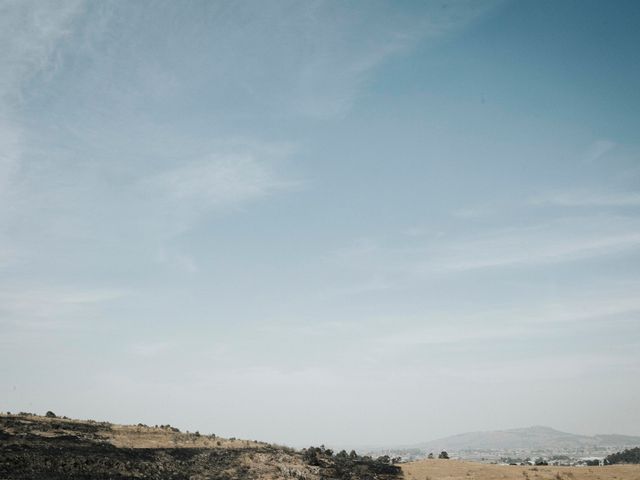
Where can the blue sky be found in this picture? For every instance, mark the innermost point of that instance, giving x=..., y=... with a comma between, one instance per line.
x=322, y=222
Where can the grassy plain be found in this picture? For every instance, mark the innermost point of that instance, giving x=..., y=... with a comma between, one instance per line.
x=461, y=470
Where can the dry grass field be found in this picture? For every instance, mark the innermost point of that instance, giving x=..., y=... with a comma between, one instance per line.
x=135, y=436
x=461, y=470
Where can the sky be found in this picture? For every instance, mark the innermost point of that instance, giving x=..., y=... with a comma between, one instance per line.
x=353, y=223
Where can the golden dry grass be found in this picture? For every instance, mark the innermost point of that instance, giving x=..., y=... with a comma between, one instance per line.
x=461, y=470
x=134, y=436
x=242, y=458
x=131, y=436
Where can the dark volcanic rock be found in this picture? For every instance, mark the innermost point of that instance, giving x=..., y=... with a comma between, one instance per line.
x=39, y=448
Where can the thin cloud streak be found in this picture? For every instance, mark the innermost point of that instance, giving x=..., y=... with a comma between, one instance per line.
x=29, y=34
x=538, y=244
x=518, y=251
x=589, y=199
x=219, y=182
x=592, y=312
x=52, y=308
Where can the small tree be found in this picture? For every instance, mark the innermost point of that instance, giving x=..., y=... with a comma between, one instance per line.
x=310, y=455
x=430, y=456
x=50, y=414
x=444, y=455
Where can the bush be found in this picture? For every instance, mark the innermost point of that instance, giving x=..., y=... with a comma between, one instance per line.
x=50, y=414
x=310, y=456
x=631, y=455
x=349, y=466
x=444, y=455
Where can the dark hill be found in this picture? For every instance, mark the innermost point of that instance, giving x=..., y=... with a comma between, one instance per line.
x=39, y=448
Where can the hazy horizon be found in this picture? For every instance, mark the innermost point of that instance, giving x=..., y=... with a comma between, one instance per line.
x=365, y=223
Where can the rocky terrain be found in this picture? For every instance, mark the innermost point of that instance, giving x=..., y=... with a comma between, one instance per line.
x=35, y=447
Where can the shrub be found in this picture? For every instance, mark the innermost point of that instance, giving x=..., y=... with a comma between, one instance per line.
x=349, y=466
x=310, y=456
x=632, y=455
x=50, y=414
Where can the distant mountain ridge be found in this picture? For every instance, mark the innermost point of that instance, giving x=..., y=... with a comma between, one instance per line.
x=529, y=438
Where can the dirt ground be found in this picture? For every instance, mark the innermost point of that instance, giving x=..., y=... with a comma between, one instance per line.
x=461, y=470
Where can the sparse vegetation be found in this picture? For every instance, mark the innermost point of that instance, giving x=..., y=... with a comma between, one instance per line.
x=631, y=455
x=349, y=466
x=458, y=470
x=52, y=448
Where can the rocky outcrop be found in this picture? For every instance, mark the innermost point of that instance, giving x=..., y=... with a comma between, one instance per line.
x=39, y=448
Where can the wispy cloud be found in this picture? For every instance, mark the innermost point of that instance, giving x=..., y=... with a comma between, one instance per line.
x=535, y=244
x=151, y=349
x=218, y=182
x=51, y=307
x=571, y=316
x=548, y=243
x=10, y=153
x=598, y=149
x=29, y=35
x=586, y=198
x=179, y=260
x=336, y=48
x=563, y=366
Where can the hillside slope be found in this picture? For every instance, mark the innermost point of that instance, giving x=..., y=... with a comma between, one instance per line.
x=34, y=447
